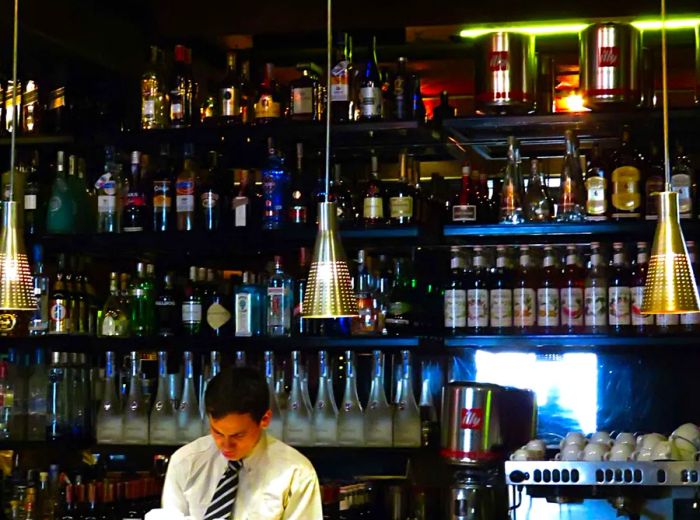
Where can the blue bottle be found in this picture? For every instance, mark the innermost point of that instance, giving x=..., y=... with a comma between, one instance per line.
x=249, y=307
x=275, y=182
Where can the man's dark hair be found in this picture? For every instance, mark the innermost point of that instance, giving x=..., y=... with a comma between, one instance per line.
x=237, y=390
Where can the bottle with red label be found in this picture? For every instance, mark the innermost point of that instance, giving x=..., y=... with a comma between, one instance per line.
x=299, y=201
x=134, y=214
x=548, y=303
x=185, y=191
x=641, y=323
x=210, y=195
x=464, y=208
x=571, y=293
x=596, y=292
x=501, y=294
x=525, y=293
x=619, y=297
x=478, y=294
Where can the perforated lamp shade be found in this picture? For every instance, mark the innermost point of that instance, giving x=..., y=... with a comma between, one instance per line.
x=329, y=292
x=16, y=287
x=670, y=286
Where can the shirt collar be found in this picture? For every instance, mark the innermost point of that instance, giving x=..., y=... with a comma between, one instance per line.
x=253, y=459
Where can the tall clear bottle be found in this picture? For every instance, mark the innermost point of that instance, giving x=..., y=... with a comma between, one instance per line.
x=596, y=292
x=512, y=194
x=135, y=418
x=189, y=423
x=280, y=301
x=572, y=196
x=109, y=414
x=276, y=427
x=297, y=420
x=37, y=398
x=214, y=368
x=351, y=420
x=162, y=425
x=407, y=421
x=538, y=207
x=324, y=422
x=379, y=420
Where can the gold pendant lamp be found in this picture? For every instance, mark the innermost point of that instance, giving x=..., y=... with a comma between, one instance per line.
x=670, y=285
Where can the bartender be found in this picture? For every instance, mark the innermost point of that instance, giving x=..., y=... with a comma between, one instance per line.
x=239, y=472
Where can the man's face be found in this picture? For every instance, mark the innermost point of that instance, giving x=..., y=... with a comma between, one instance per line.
x=237, y=434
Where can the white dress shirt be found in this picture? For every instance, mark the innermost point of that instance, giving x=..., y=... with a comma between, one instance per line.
x=276, y=482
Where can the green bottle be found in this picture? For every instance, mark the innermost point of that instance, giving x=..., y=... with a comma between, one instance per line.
x=60, y=217
x=114, y=320
x=143, y=302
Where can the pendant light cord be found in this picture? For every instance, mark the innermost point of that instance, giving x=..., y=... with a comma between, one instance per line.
x=664, y=96
x=15, y=108
x=329, y=49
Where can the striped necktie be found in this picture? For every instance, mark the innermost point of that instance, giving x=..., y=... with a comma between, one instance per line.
x=221, y=505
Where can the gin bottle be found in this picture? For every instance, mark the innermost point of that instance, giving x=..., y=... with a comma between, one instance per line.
x=189, y=424
x=407, y=423
x=351, y=421
x=324, y=421
x=280, y=302
x=214, y=368
x=297, y=420
x=109, y=414
x=163, y=426
x=378, y=415
x=135, y=418
x=276, y=427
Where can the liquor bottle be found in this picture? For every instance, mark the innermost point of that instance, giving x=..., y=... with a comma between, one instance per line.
x=60, y=216
x=39, y=320
x=401, y=309
x=134, y=214
x=690, y=320
x=511, y=197
x=32, y=193
x=341, y=195
x=248, y=95
x=185, y=189
x=401, y=91
x=218, y=316
x=401, y=207
x=619, y=316
x=538, y=207
x=501, y=293
x=379, y=420
x=524, y=293
x=189, y=425
x=370, y=94
x=57, y=406
x=280, y=301
x=154, y=110
x=455, y=300
x=571, y=294
x=179, y=89
x=210, y=373
x=13, y=104
x=210, y=195
x=493, y=202
x=167, y=317
x=162, y=196
x=351, y=421
x=143, y=302
x=250, y=308
x=108, y=187
x=191, y=90
x=268, y=106
x=114, y=320
x=304, y=95
x=342, y=76
x=246, y=202
x=416, y=103
x=548, y=304
x=31, y=108
x=59, y=302
x=162, y=424
x=464, y=208
x=407, y=423
x=443, y=110
x=572, y=196
x=596, y=292
x=667, y=323
x=79, y=396
x=230, y=91
x=366, y=322
x=477, y=294
x=430, y=424
x=626, y=195
x=373, y=200
x=275, y=179
x=135, y=417
x=302, y=326
x=36, y=398
x=192, y=306
x=276, y=427
x=683, y=182
x=109, y=414
x=596, y=186
x=324, y=422
x=298, y=200
x=297, y=420
x=642, y=323
x=654, y=182
x=6, y=402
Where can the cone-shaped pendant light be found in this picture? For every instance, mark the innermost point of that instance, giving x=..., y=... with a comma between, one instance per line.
x=328, y=289
x=670, y=285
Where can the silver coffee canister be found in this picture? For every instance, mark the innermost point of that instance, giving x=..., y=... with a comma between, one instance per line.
x=609, y=63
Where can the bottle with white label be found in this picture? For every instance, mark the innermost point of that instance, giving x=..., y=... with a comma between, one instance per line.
x=596, y=292
x=548, y=304
x=378, y=414
x=691, y=321
x=455, y=300
x=477, y=294
x=619, y=297
x=135, y=418
x=297, y=420
x=324, y=422
x=109, y=187
x=682, y=182
x=351, y=420
x=185, y=190
x=249, y=307
x=162, y=426
x=525, y=293
x=192, y=306
x=407, y=423
x=276, y=427
x=501, y=293
x=303, y=103
x=373, y=200
x=280, y=301
x=370, y=94
x=641, y=322
x=401, y=199
x=189, y=422
x=571, y=293
x=109, y=414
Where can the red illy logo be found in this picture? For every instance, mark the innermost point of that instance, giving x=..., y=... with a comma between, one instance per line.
x=609, y=57
x=498, y=61
x=472, y=418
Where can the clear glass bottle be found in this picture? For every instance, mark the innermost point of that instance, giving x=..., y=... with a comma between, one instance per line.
x=626, y=196
x=683, y=182
x=154, y=111
x=407, y=421
x=455, y=300
x=572, y=197
x=189, y=422
x=192, y=306
x=37, y=398
x=114, y=320
x=280, y=301
x=596, y=292
x=109, y=414
x=379, y=418
x=538, y=207
x=214, y=368
x=366, y=322
x=135, y=417
x=351, y=421
x=162, y=425
x=324, y=421
x=109, y=186
x=297, y=420
x=276, y=427
x=511, y=205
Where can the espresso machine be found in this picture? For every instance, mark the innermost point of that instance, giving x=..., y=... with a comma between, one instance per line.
x=481, y=425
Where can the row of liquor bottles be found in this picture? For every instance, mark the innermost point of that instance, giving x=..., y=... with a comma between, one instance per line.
x=554, y=297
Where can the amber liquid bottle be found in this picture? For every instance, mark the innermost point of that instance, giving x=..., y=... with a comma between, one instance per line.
x=597, y=186
x=571, y=293
x=626, y=194
x=525, y=294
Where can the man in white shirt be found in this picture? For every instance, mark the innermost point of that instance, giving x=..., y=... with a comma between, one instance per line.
x=239, y=472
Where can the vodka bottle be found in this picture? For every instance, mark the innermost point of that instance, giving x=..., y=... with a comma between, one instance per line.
x=378, y=415
x=324, y=420
x=407, y=423
x=135, y=418
x=351, y=421
x=572, y=195
x=214, y=368
x=276, y=427
x=109, y=414
x=36, y=399
x=189, y=423
x=163, y=426
x=430, y=425
x=305, y=388
x=297, y=421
